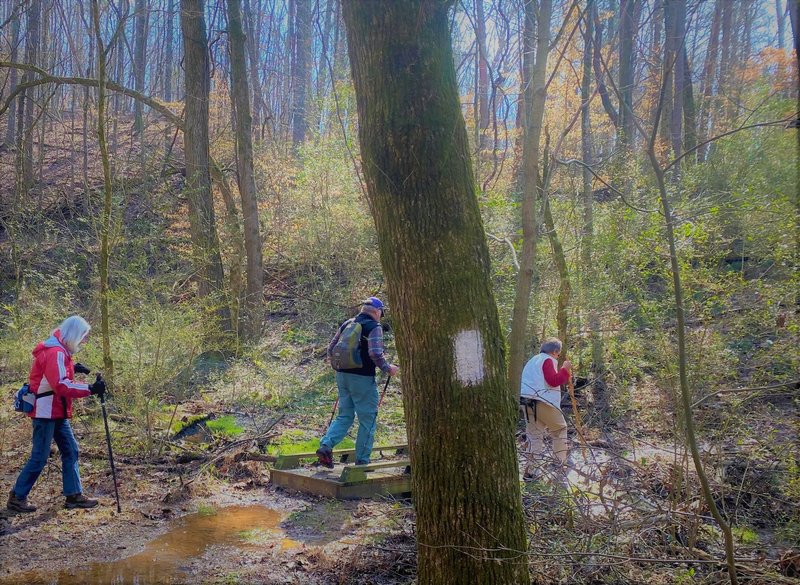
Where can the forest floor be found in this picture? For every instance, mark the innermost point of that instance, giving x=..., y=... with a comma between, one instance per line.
x=229, y=526
x=620, y=507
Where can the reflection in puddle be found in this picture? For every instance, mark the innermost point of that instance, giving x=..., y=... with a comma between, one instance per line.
x=163, y=561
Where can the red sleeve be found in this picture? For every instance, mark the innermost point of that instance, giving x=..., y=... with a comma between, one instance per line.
x=550, y=375
x=59, y=378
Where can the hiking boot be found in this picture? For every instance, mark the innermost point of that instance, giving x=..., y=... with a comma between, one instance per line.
x=325, y=455
x=79, y=501
x=16, y=504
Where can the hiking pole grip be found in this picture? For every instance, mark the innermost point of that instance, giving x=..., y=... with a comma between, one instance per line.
x=110, y=452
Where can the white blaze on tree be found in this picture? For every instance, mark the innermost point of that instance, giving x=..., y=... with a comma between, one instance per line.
x=469, y=357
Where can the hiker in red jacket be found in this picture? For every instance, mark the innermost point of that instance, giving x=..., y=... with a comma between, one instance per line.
x=52, y=380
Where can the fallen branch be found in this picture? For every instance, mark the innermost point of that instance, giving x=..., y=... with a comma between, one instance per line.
x=793, y=384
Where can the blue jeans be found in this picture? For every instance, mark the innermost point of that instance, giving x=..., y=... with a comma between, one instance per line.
x=44, y=431
x=358, y=395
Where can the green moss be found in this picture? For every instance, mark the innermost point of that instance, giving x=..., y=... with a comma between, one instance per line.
x=178, y=426
x=745, y=534
x=297, y=441
x=225, y=426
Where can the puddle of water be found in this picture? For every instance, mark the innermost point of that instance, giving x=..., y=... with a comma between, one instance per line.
x=162, y=559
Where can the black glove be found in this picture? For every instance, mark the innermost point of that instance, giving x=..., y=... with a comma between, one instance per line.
x=98, y=387
x=81, y=369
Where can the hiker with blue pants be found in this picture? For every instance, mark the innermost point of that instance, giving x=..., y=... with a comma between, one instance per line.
x=52, y=380
x=358, y=391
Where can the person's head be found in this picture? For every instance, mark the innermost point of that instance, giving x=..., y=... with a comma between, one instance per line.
x=373, y=307
x=551, y=346
x=73, y=330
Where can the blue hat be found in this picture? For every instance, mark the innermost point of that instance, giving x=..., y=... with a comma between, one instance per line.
x=374, y=302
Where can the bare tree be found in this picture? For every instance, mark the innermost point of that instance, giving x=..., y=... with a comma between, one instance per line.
x=141, y=16
x=105, y=222
x=205, y=243
x=627, y=65
x=12, y=77
x=244, y=166
x=169, y=66
x=300, y=69
x=534, y=84
x=28, y=96
x=587, y=199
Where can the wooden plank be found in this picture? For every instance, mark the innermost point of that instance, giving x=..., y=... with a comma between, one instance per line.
x=293, y=460
x=355, y=473
x=328, y=483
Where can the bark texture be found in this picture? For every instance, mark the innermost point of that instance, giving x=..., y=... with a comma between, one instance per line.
x=460, y=414
x=246, y=178
x=205, y=243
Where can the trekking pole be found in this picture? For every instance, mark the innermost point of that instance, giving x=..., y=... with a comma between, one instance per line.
x=335, y=404
x=385, y=386
x=578, y=423
x=108, y=441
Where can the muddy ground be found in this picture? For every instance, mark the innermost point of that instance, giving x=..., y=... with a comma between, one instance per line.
x=210, y=529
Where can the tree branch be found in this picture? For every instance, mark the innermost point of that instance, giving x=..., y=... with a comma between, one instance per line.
x=86, y=82
x=782, y=121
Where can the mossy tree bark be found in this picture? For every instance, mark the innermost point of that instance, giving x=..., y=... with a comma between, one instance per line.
x=460, y=414
x=205, y=242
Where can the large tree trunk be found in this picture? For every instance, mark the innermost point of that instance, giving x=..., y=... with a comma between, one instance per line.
x=535, y=96
x=300, y=69
x=460, y=415
x=205, y=243
x=244, y=166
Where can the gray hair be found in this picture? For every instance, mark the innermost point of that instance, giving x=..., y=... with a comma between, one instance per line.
x=550, y=345
x=73, y=329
